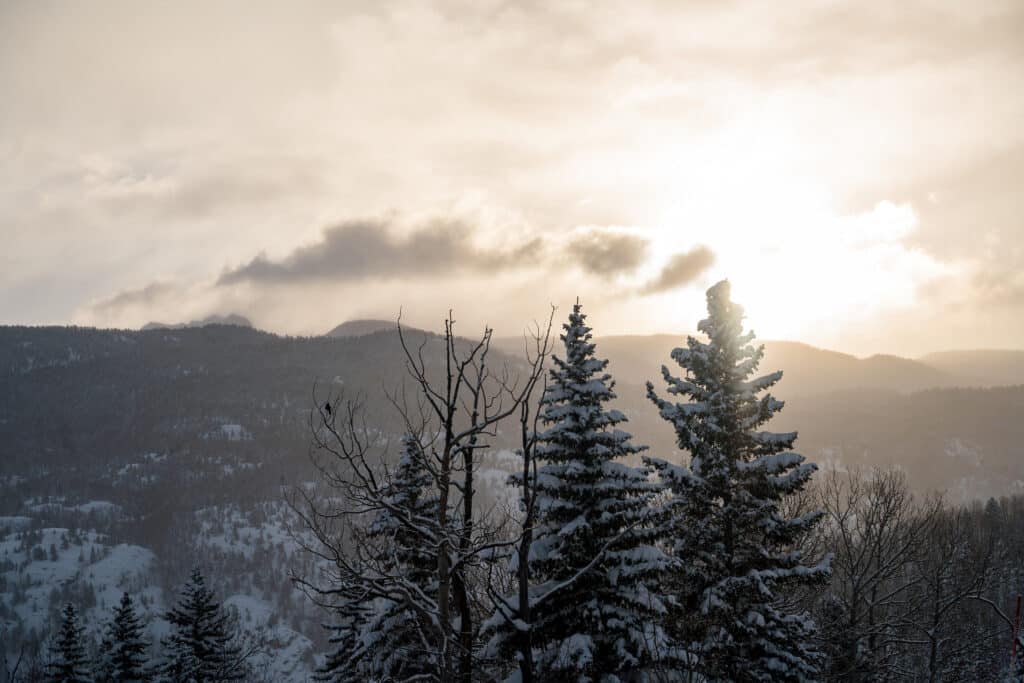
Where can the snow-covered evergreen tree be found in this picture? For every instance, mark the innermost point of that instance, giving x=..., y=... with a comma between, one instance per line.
x=124, y=647
x=68, y=663
x=202, y=645
x=351, y=608
x=596, y=608
x=735, y=546
x=386, y=631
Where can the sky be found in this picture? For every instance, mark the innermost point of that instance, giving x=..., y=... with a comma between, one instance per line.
x=854, y=169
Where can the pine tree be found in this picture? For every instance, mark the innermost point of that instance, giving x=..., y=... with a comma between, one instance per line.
x=596, y=569
x=68, y=663
x=202, y=645
x=735, y=546
x=124, y=648
x=342, y=665
x=385, y=632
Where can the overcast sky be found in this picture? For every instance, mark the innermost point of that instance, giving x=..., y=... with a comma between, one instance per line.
x=855, y=169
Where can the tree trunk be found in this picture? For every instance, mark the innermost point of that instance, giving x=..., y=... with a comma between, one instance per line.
x=443, y=569
x=462, y=593
x=526, y=636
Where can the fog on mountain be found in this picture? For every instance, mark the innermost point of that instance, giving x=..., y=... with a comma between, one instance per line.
x=135, y=459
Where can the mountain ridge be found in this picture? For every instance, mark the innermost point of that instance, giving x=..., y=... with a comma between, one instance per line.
x=215, y=319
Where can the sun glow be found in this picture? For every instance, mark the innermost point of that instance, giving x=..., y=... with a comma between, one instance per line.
x=798, y=264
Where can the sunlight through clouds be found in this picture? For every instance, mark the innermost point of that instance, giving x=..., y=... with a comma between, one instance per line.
x=767, y=145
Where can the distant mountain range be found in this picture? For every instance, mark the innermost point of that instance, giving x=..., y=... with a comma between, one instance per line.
x=94, y=398
x=358, y=328
x=984, y=367
x=229, y=319
x=809, y=370
x=192, y=432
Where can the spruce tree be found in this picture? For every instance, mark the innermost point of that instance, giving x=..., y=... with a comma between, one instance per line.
x=593, y=561
x=385, y=632
x=202, y=645
x=342, y=664
x=124, y=647
x=68, y=663
x=735, y=546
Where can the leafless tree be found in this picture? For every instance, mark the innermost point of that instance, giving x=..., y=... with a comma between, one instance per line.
x=29, y=667
x=955, y=567
x=465, y=405
x=876, y=528
x=457, y=401
x=11, y=673
x=516, y=615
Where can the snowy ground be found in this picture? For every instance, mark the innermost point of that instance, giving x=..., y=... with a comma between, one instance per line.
x=42, y=568
x=63, y=565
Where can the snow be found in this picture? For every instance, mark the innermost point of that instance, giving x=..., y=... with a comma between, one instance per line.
x=576, y=652
x=97, y=506
x=14, y=523
x=116, y=567
x=230, y=531
x=291, y=651
x=960, y=449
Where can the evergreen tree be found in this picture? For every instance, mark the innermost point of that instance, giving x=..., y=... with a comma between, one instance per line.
x=202, y=645
x=596, y=569
x=386, y=632
x=124, y=648
x=68, y=663
x=342, y=665
x=735, y=546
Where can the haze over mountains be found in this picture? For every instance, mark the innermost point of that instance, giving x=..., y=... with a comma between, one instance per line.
x=808, y=369
x=181, y=437
x=109, y=391
x=229, y=319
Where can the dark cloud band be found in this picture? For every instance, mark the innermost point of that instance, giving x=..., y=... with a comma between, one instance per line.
x=602, y=252
x=369, y=249
x=683, y=268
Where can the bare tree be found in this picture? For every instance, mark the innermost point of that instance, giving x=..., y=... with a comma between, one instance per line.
x=515, y=615
x=11, y=673
x=877, y=529
x=955, y=567
x=336, y=527
x=466, y=404
x=457, y=402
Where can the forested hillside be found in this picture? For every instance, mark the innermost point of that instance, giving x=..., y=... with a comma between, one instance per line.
x=127, y=457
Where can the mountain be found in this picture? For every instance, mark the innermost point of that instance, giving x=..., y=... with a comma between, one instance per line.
x=941, y=424
x=808, y=370
x=229, y=319
x=358, y=328
x=134, y=455
x=128, y=457
x=980, y=367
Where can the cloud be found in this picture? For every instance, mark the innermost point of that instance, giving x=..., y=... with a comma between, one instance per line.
x=603, y=252
x=368, y=249
x=204, y=148
x=170, y=302
x=144, y=297
x=683, y=268
x=996, y=289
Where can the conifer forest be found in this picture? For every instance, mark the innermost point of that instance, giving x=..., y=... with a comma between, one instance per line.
x=516, y=528
x=511, y=341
